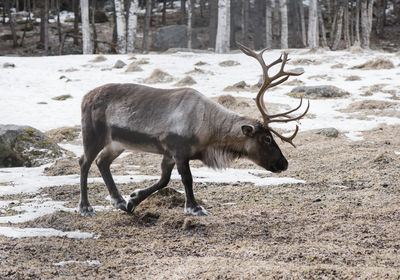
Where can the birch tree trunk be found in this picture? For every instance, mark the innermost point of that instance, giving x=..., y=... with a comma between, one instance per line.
x=183, y=11
x=146, y=26
x=339, y=28
x=364, y=24
x=284, y=24
x=121, y=26
x=245, y=22
x=322, y=26
x=303, y=23
x=132, y=26
x=268, y=24
x=346, y=25
x=189, y=24
x=223, y=28
x=312, y=25
x=370, y=14
x=357, y=39
x=87, y=45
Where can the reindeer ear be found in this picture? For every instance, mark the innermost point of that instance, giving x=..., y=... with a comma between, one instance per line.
x=248, y=130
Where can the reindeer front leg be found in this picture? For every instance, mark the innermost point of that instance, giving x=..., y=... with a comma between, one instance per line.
x=191, y=206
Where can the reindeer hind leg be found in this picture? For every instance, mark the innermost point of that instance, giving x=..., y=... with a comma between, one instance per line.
x=104, y=160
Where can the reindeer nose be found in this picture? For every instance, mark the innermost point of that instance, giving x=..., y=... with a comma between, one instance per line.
x=283, y=164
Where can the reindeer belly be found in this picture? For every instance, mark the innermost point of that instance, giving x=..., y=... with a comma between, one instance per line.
x=133, y=140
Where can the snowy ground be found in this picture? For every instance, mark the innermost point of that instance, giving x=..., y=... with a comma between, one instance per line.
x=26, y=93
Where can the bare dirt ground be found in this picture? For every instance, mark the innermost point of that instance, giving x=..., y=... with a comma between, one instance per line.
x=343, y=223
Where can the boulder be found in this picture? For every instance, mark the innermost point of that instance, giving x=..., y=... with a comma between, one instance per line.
x=26, y=146
x=119, y=64
x=328, y=132
x=172, y=36
x=318, y=91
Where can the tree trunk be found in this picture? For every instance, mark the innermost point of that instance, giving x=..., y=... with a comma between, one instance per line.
x=202, y=7
x=132, y=26
x=312, y=25
x=46, y=26
x=245, y=22
x=164, y=12
x=303, y=23
x=370, y=14
x=212, y=28
x=284, y=24
x=338, y=35
x=357, y=39
x=121, y=25
x=346, y=26
x=75, y=6
x=12, y=27
x=324, y=43
x=258, y=24
x=94, y=3
x=146, y=26
x=183, y=11
x=223, y=28
x=268, y=24
x=233, y=14
x=364, y=24
x=59, y=31
x=189, y=24
x=87, y=46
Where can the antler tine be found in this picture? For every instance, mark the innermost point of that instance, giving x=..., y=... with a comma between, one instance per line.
x=288, y=112
x=286, y=139
x=292, y=119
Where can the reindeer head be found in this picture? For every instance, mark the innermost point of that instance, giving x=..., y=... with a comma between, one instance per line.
x=260, y=145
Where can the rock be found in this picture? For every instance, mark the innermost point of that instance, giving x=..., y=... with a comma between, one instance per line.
x=62, y=97
x=318, y=91
x=26, y=146
x=158, y=76
x=64, y=133
x=187, y=81
x=241, y=84
x=328, y=132
x=172, y=36
x=134, y=67
x=8, y=65
x=228, y=63
x=119, y=64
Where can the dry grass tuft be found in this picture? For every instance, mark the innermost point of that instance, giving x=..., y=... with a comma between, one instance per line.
x=375, y=64
x=158, y=76
x=187, y=81
x=295, y=82
x=134, y=67
x=64, y=133
x=306, y=61
x=227, y=101
x=370, y=105
x=338, y=66
x=228, y=63
x=99, y=58
x=353, y=78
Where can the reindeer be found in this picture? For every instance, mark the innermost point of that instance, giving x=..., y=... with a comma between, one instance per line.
x=182, y=125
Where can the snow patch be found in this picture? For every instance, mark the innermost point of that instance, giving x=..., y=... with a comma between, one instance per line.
x=14, y=232
x=93, y=262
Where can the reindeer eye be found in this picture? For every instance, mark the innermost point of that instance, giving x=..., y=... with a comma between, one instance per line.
x=267, y=139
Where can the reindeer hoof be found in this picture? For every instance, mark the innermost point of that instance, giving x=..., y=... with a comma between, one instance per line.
x=196, y=211
x=119, y=203
x=134, y=201
x=87, y=211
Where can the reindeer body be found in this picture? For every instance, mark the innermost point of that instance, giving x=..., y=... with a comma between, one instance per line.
x=180, y=124
x=176, y=122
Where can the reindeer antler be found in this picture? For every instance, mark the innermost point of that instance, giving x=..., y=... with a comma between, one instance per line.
x=270, y=82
